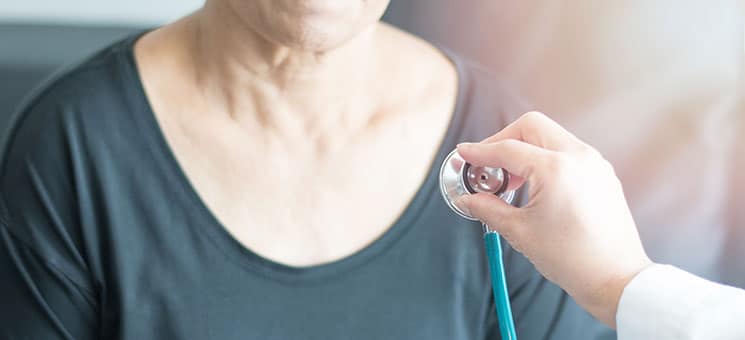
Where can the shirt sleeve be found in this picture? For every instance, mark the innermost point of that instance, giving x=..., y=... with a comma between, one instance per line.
x=47, y=286
x=37, y=299
x=664, y=302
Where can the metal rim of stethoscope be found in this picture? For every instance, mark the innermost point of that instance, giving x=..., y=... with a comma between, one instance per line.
x=502, y=192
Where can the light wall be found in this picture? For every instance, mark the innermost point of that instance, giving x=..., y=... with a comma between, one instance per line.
x=130, y=12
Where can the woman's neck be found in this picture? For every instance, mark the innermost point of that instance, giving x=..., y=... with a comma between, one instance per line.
x=281, y=87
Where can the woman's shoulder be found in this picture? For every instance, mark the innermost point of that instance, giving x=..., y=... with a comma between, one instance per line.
x=73, y=100
x=50, y=149
x=484, y=92
x=90, y=82
x=57, y=126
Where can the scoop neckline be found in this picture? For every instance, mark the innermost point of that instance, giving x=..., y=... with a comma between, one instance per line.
x=237, y=252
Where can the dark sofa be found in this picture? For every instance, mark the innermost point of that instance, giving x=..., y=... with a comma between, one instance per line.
x=30, y=53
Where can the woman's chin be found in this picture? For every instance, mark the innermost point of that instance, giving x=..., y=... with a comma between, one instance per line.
x=317, y=34
x=317, y=25
x=326, y=8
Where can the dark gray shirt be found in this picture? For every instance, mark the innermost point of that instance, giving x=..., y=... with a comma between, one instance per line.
x=103, y=237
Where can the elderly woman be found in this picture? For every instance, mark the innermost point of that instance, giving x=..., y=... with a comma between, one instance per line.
x=259, y=169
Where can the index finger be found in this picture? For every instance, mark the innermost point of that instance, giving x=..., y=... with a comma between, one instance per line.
x=537, y=129
x=517, y=157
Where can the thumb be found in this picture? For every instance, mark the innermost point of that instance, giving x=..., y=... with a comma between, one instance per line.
x=492, y=210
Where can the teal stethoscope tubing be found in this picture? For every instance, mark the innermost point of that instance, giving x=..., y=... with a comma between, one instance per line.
x=499, y=284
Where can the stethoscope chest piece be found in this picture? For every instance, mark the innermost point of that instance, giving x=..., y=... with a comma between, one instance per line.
x=459, y=178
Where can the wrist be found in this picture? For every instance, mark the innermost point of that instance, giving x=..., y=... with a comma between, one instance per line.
x=602, y=301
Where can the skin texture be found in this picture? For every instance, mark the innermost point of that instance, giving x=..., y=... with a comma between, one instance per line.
x=576, y=227
x=289, y=116
x=311, y=25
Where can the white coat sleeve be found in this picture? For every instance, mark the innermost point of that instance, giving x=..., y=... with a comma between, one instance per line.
x=664, y=302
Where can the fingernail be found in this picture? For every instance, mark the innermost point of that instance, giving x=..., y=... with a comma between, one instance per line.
x=464, y=144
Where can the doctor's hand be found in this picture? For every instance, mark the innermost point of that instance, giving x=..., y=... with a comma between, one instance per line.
x=576, y=227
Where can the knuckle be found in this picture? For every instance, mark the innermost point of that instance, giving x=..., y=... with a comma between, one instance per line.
x=529, y=118
x=592, y=156
x=533, y=116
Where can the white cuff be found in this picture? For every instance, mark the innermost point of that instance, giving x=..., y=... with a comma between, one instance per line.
x=664, y=302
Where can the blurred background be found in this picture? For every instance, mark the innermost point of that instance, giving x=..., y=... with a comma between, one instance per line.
x=656, y=85
x=39, y=36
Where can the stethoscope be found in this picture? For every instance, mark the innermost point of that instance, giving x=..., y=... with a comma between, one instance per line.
x=459, y=178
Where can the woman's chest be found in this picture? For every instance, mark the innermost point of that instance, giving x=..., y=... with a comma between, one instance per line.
x=199, y=286
x=296, y=204
x=368, y=309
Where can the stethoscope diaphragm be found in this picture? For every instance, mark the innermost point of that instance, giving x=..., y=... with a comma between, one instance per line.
x=459, y=178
